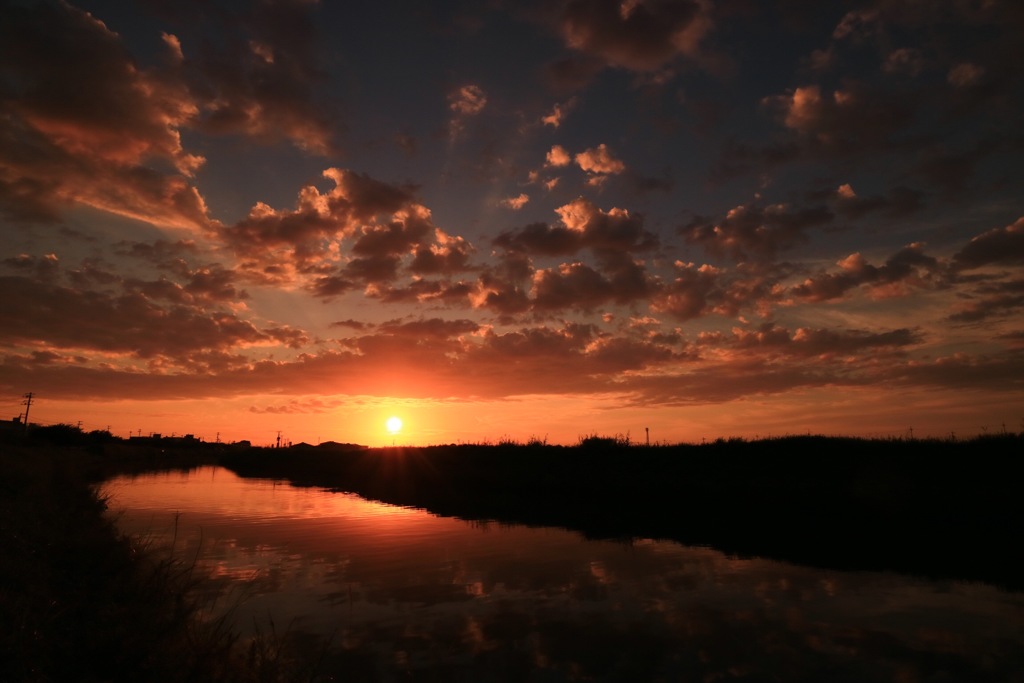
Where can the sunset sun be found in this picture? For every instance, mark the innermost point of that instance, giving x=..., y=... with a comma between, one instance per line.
x=394, y=425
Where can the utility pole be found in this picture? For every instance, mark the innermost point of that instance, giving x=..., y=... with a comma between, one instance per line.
x=648, y=430
x=279, y=438
x=28, y=404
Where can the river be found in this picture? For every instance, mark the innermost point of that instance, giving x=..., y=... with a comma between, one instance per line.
x=402, y=594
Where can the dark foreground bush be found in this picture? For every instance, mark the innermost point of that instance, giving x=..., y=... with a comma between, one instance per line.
x=78, y=602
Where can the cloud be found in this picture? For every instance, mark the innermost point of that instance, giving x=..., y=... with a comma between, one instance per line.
x=81, y=123
x=261, y=82
x=465, y=103
x=433, y=327
x=128, y=323
x=853, y=119
x=298, y=406
x=559, y=112
x=558, y=156
x=515, y=203
x=962, y=371
x=279, y=242
x=857, y=24
x=808, y=342
x=993, y=301
x=468, y=100
x=640, y=35
x=570, y=286
x=686, y=296
x=45, y=268
x=354, y=324
x=540, y=239
x=965, y=75
x=756, y=232
x=407, y=228
x=950, y=171
x=447, y=255
x=905, y=60
x=583, y=226
x=599, y=161
x=901, y=201
x=909, y=267
x=997, y=246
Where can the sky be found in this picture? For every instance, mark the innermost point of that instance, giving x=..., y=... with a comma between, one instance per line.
x=674, y=220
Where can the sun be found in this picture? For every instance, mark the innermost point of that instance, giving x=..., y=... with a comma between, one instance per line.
x=394, y=425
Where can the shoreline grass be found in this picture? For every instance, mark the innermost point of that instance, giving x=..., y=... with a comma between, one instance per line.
x=934, y=508
x=80, y=602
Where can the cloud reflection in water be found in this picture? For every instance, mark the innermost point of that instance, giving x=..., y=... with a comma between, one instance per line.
x=404, y=593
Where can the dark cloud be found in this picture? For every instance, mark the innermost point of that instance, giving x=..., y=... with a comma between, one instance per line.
x=361, y=231
x=260, y=77
x=999, y=246
x=310, y=235
x=570, y=286
x=686, y=296
x=583, y=226
x=43, y=268
x=441, y=292
x=637, y=34
x=391, y=239
x=909, y=267
x=898, y=202
x=805, y=342
x=78, y=121
x=951, y=171
x=996, y=300
x=372, y=269
x=853, y=119
x=354, y=324
x=127, y=322
x=433, y=327
x=753, y=231
x=541, y=239
x=330, y=286
x=449, y=255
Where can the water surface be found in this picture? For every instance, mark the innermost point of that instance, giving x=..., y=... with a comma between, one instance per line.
x=402, y=594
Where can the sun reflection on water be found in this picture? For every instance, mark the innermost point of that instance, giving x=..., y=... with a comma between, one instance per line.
x=404, y=587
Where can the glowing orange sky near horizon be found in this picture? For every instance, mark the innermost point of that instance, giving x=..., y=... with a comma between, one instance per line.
x=557, y=419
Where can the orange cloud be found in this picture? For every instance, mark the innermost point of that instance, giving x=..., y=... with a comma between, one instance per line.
x=600, y=161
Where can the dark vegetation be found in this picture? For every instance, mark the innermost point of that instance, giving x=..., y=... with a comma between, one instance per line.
x=79, y=602
x=940, y=508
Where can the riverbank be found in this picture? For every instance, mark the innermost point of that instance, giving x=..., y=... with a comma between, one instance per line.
x=79, y=602
x=934, y=508
x=83, y=603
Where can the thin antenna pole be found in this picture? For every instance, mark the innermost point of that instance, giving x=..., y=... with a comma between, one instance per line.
x=28, y=404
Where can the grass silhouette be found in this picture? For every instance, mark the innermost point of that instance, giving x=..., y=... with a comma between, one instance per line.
x=941, y=508
x=80, y=602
